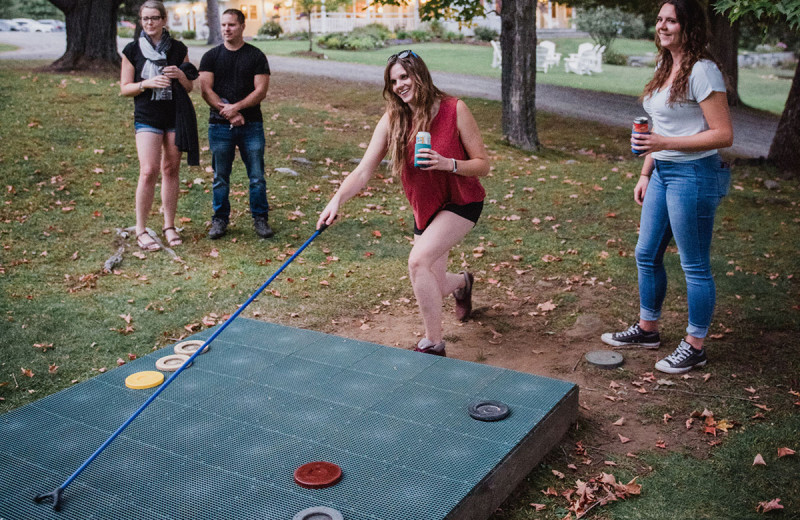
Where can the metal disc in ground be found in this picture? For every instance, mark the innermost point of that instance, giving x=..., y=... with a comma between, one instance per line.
x=171, y=363
x=143, y=380
x=317, y=475
x=189, y=347
x=318, y=513
x=488, y=410
x=606, y=359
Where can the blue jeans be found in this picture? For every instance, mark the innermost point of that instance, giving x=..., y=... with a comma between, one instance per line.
x=681, y=200
x=223, y=140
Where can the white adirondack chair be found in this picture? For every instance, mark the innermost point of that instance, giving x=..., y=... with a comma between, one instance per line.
x=553, y=57
x=596, y=64
x=497, y=56
x=542, y=63
x=579, y=63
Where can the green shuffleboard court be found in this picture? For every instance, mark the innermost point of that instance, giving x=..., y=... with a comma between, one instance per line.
x=224, y=438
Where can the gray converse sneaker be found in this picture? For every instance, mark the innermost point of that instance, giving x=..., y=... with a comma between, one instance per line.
x=683, y=359
x=428, y=347
x=633, y=336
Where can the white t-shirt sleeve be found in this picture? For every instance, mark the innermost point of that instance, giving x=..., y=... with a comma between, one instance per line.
x=705, y=79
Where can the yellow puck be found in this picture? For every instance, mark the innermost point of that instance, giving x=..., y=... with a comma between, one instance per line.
x=146, y=379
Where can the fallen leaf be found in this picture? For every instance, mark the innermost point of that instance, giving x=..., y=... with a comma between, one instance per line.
x=689, y=422
x=131, y=356
x=619, y=422
x=724, y=425
x=750, y=389
x=546, y=306
x=101, y=369
x=665, y=382
x=763, y=407
x=214, y=253
x=614, y=384
x=622, y=439
x=661, y=444
x=767, y=506
x=609, y=463
x=550, y=492
x=558, y=474
x=759, y=461
x=667, y=417
x=706, y=377
x=26, y=372
x=127, y=318
x=54, y=368
x=538, y=507
x=120, y=362
x=784, y=452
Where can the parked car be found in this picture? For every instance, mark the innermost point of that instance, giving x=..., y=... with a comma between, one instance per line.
x=9, y=25
x=57, y=25
x=32, y=25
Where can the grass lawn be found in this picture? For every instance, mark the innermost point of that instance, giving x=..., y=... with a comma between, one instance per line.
x=765, y=89
x=69, y=173
x=6, y=47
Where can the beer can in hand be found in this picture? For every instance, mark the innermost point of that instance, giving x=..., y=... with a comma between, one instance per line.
x=641, y=125
x=423, y=141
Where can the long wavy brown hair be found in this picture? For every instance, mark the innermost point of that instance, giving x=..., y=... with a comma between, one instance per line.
x=694, y=34
x=403, y=123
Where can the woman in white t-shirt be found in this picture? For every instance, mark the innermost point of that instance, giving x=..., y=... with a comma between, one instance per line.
x=682, y=180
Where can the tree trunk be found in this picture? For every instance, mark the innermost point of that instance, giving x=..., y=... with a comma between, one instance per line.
x=212, y=19
x=725, y=48
x=310, y=38
x=518, y=42
x=785, y=149
x=91, y=35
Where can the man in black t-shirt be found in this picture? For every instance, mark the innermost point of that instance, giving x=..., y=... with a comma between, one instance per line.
x=234, y=78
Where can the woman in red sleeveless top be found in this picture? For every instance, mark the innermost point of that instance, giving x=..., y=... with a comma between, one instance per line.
x=444, y=191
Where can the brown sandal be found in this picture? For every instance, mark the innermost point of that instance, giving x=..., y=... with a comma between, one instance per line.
x=175, y=241
x=148, y=246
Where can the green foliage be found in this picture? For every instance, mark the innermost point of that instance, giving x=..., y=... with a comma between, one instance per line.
x=36, y=9
x=125, y=32
x=419, y=35
x=270, y=29
x=402, y=34
x=788, y=10
x=436, y=28
x=614, y=58
x=605, y=24
x=188, y=35
x=486, y=34
x=369, y=37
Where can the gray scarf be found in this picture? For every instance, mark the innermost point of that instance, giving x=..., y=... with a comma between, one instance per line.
x=156, y=57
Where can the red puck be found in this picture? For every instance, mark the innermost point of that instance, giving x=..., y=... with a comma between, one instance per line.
x=317, y=475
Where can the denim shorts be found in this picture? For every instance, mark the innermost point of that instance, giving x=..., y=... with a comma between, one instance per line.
x=143, y=127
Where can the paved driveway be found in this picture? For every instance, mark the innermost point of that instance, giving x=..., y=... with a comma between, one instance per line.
x=753, y=130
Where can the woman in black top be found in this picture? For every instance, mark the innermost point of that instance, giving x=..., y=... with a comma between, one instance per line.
x=149, y=65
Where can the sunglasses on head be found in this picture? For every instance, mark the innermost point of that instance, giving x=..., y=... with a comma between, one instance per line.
x=403, y=54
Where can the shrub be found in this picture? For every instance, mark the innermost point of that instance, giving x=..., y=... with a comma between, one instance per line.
x=486, y=34
x=125, y=32
x=402, y=34
x=189, y=35
x=613, y=58
x=419, y=35
x=436, y=28
x=604, y=24
x=452, y=36
x=372, y=36
x=298, y=36
x=271, y=29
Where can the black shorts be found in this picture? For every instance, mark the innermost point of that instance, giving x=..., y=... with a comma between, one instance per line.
x=471, y=212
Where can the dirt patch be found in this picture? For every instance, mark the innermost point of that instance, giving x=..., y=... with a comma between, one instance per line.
x=519, y=335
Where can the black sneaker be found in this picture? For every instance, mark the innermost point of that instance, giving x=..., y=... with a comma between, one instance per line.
x=262, y=227
x=218, y=228
x=634, y=336
x=683, y=359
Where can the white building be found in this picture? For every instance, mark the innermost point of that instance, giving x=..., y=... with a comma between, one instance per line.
x=189, y=15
